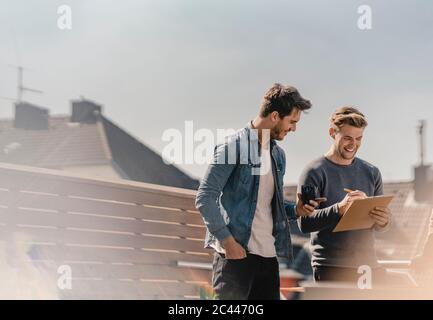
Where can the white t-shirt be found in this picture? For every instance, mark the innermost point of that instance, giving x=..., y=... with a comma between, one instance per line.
x=262, y=242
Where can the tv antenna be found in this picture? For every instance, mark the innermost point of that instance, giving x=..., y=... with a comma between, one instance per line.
x=20, y=78
x=20, y=85
x=421, y=132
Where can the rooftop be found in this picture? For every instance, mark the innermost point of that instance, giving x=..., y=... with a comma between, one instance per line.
x=82, y=144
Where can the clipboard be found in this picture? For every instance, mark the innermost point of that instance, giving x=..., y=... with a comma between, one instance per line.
x=357, y=216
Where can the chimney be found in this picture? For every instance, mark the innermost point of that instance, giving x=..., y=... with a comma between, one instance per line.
x=30, y=117
x=85, y=111
x=423, y=173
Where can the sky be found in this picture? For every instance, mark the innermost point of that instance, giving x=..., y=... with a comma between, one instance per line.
x=155, y=64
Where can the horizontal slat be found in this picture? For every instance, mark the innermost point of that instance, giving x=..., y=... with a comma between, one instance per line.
x=69, y=176
x=17, y=181
x=341, y=293
x=108, y=271
x=104, y=289
x=26, y=234
x=112, y=255
x=125, y=295
x=131, y=289
x=62, y=203
x=30, y=217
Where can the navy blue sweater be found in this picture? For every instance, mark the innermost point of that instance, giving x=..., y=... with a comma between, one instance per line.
x=347, y=248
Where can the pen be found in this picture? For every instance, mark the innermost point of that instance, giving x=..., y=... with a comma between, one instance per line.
x=348, y=190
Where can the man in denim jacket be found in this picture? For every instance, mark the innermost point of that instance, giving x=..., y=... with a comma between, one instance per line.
x=242, y=202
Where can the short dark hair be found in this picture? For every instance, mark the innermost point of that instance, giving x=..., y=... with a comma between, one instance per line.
x=283, y=99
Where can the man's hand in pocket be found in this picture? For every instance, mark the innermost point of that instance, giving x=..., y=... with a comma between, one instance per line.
x=233, y=249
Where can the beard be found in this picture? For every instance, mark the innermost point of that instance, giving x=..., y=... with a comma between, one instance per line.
x=277, y=133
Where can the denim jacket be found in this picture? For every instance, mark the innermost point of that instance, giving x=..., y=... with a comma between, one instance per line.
x=227, y=196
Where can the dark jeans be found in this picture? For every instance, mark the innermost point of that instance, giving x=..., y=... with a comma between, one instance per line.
x=348, y=275
x=251, y=278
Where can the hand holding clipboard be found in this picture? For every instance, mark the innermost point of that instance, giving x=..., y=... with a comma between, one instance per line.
x=365, y=213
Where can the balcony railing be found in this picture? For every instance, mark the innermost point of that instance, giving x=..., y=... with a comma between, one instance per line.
x=65, y=236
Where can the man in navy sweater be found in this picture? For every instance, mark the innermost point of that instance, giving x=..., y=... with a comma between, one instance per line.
x=337, y=256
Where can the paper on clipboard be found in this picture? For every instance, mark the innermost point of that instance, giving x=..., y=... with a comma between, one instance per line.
x=357, y=216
